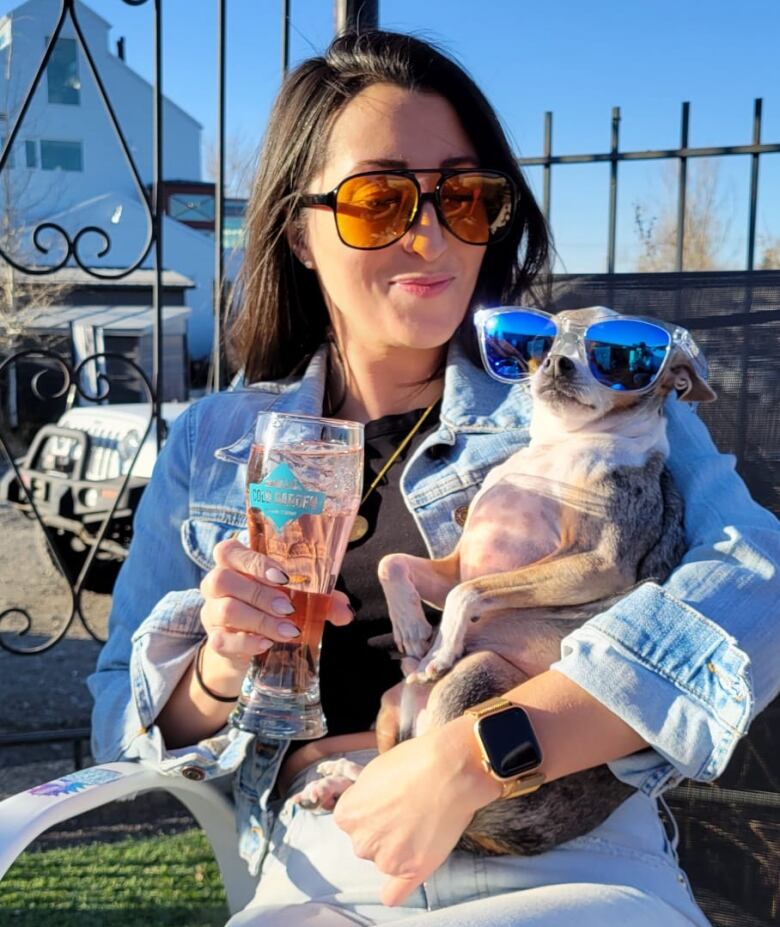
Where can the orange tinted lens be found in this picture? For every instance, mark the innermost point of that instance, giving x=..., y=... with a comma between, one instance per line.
x=477, y=206
x=374, y=210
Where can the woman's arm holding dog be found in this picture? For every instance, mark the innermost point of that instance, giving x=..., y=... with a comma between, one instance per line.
x=409, y=806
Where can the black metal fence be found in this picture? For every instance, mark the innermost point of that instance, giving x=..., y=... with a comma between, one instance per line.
x=682, y=154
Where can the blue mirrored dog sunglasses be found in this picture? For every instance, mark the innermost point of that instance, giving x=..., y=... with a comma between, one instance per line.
x=623, y=353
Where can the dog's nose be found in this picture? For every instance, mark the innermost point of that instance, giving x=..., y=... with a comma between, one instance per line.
x=557, y=365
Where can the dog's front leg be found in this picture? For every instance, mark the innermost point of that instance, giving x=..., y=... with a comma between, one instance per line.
x=460, y=609
x=409, y=581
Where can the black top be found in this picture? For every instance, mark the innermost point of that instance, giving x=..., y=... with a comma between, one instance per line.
x=354, y=669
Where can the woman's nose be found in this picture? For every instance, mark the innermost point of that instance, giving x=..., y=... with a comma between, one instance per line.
x=426, y=236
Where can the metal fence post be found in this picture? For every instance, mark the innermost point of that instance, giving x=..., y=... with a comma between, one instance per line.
x=751, y=250
x=356, y=15
x=219, y=201
x=613, y=178
x=548, y=117
x=681, y=188
x=157, y=207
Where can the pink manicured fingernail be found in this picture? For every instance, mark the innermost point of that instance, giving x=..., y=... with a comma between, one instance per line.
x=282, y=606
x=264, y=645
x=287, y=629
x=276, y=576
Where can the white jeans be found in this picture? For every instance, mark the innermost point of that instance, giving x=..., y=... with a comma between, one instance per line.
x=623, y=874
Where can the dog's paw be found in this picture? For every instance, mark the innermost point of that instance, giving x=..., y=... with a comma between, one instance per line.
x=412, y=636
x=438, y=665
x=433, y=667
x=342, y=767
x=321, y=795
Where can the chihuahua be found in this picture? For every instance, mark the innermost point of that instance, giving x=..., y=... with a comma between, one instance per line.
x=556, y=534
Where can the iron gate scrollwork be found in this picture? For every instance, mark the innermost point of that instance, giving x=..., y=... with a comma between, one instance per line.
x=71, y=379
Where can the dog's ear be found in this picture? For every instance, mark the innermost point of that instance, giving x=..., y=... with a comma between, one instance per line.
x=688, y=378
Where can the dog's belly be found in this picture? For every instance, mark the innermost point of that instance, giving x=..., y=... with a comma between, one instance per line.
x=508, y=528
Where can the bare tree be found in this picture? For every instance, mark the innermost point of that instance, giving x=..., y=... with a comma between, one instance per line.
x=770, y=252
x=706, y=223
x=240, y=157
x=23, y=197
x=24, y=298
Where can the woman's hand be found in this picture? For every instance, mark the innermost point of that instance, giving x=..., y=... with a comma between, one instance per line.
x=247, y=609
x=410, y=805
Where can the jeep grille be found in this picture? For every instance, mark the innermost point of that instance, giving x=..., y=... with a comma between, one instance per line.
x=60, y=454
x=103, y=462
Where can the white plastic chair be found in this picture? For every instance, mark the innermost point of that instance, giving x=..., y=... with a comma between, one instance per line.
x=26, y=815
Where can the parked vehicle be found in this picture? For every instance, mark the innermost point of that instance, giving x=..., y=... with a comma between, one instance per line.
x=75, y=471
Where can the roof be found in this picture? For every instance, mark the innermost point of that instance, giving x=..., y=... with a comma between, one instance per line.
x=124, y=318
x=75, y=276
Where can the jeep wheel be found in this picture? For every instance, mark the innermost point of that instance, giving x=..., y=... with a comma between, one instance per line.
x=72, y=554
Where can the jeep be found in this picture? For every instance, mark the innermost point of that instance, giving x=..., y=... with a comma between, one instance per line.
x=75, y=471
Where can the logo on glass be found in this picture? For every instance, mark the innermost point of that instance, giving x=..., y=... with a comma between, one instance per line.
x=282, y=498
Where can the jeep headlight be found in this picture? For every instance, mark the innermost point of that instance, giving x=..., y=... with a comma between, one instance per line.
x=127, y=449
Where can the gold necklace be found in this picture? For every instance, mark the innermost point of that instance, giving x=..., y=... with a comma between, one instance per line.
x=360, y=526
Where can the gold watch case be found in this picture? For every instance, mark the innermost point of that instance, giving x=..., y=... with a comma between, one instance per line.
x=511, y=787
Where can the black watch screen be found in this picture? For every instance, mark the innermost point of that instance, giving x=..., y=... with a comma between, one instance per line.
x=510, y=742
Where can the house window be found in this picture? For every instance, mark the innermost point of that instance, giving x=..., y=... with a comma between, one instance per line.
x=233, y=232
x=64, y=156
x=31, y=154
x=62, y=73
x=191, y=207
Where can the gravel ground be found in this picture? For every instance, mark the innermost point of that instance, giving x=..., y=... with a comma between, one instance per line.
x=45, y=691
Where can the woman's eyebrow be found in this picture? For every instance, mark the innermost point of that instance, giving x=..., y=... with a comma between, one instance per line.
x=392, y=164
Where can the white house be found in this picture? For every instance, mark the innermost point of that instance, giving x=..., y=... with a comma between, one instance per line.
x=67, y=166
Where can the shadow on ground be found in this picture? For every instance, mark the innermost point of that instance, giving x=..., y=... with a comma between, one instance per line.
x=157, y=916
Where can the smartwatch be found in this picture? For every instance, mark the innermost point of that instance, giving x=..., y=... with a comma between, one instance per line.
x=510, y=750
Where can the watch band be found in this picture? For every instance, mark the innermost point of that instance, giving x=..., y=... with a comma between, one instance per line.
x=489, y=707
x=516, y=785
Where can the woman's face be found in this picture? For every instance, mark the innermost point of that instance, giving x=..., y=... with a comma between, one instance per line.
x=415, y=292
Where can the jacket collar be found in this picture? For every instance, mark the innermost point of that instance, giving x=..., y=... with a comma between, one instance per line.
x=305, y=395
x=475, y=402
x=472, y=401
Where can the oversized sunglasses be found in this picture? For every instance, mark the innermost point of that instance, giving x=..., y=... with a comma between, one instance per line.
x=622, y=353
x=377, y=208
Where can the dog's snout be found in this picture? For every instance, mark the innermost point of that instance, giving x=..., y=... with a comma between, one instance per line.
x=558, y=365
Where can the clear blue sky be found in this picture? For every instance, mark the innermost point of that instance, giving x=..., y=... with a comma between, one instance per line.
x=577, y=58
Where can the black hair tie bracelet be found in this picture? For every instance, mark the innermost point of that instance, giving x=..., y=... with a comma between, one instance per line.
x=202, y=684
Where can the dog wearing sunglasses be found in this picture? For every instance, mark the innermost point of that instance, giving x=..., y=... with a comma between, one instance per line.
x=556, y=534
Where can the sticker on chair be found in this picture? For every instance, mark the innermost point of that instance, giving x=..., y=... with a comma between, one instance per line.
x=75, y=782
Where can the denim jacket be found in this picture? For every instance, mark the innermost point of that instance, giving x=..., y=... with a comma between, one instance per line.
x=687, y=664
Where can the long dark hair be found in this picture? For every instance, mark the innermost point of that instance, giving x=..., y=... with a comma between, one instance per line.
x=279, y=315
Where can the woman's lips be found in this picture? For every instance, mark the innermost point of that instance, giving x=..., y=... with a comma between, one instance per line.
x=423, y=286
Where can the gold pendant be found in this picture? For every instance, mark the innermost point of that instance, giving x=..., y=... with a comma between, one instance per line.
x=359, y=528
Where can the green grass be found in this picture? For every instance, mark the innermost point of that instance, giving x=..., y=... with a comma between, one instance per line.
x=149, y=882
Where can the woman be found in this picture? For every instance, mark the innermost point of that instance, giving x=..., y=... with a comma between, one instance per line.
x=370, y=322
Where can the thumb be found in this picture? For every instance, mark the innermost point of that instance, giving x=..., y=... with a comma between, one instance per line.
x=341, y=612
x=397, y=889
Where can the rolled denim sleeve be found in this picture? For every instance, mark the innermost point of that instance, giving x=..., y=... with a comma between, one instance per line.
x=690, y=664
x=154, y=629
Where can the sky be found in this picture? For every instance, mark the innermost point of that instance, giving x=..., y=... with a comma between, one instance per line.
x=574, y=58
